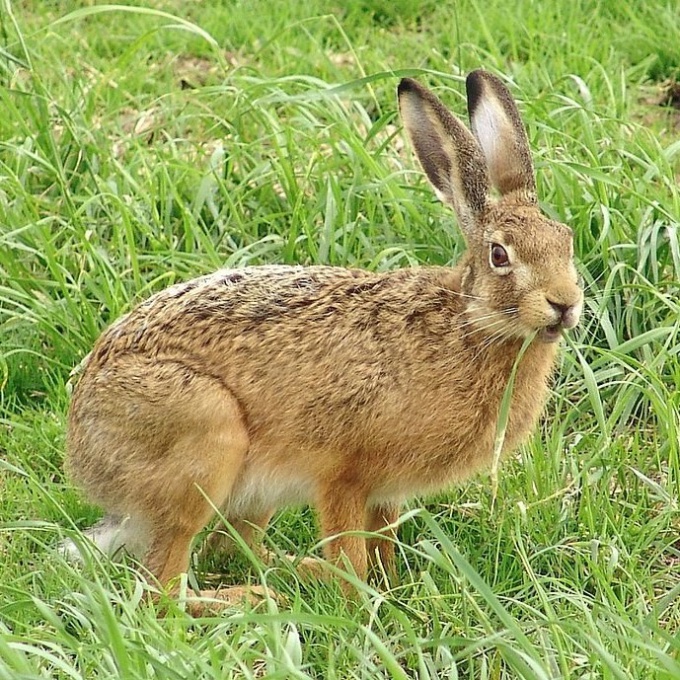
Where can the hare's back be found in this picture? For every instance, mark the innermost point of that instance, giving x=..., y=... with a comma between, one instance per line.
x=215, y=309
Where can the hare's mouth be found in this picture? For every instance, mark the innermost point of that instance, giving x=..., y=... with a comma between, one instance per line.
x=551, y=333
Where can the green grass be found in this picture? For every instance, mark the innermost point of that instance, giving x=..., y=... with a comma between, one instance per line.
x=137, y=150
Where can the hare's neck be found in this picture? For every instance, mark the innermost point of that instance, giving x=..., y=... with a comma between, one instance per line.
x=530, y=389
x=537, y=360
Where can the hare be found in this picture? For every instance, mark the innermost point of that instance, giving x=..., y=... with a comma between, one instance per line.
x=256, y=388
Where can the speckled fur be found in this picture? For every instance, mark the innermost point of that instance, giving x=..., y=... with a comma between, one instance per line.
x=350, y=390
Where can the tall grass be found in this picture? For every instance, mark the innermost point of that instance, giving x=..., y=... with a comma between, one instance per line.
x=140, y=147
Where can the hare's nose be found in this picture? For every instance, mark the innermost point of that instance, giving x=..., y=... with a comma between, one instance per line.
x=567, y=314
x=559, y=308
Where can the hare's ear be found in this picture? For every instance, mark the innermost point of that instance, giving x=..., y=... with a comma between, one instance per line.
x=448, y=152
x=496, y=123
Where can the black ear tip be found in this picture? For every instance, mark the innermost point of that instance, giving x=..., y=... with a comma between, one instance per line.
x=407, y=85
x=477, y=74
x=474, y=84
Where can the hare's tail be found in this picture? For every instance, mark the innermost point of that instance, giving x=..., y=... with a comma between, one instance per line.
x=111, y=534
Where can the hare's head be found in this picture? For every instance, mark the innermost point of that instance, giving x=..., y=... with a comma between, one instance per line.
x=519, y=272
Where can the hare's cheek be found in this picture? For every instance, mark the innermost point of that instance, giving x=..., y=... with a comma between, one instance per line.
x=522, y=279
x=534, y=311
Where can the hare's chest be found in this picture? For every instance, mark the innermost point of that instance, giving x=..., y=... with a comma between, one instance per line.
x=451, y=435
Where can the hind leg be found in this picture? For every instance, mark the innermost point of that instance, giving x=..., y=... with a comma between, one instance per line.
x=196, y=476
x=212, y=457
x=159, y=442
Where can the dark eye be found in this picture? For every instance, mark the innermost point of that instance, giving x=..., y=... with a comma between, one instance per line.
x=499, y=256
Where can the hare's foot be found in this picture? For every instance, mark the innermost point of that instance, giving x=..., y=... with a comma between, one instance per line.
x=230, y=597
x=308, y=568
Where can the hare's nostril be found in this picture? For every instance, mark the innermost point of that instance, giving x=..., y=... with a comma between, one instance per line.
x=560, y=308
x=568, y=315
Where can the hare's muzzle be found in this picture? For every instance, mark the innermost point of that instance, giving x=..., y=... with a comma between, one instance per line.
x=567, y=317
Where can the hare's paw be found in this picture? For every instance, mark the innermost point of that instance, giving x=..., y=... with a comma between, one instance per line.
x=231, y=597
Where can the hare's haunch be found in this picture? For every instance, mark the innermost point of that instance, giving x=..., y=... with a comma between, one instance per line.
x=256, y=388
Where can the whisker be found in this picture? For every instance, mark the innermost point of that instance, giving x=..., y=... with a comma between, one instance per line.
x=499, y=336
x=508, y=331
x=458, y=293
x=481, y=323
x=493, y=329
x=467, y=296
x=510, y=312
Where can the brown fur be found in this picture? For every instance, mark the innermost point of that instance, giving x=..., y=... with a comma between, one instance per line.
x=268, y=386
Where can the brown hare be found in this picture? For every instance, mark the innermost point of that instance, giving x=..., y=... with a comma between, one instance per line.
x=252, y=389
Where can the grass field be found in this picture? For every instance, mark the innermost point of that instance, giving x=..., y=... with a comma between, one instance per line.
x=139, y=147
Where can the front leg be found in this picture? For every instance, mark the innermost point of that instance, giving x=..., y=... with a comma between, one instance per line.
x=342, y=509
x=382, y=519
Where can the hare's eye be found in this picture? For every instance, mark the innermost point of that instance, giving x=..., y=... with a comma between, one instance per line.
x=499, y=256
